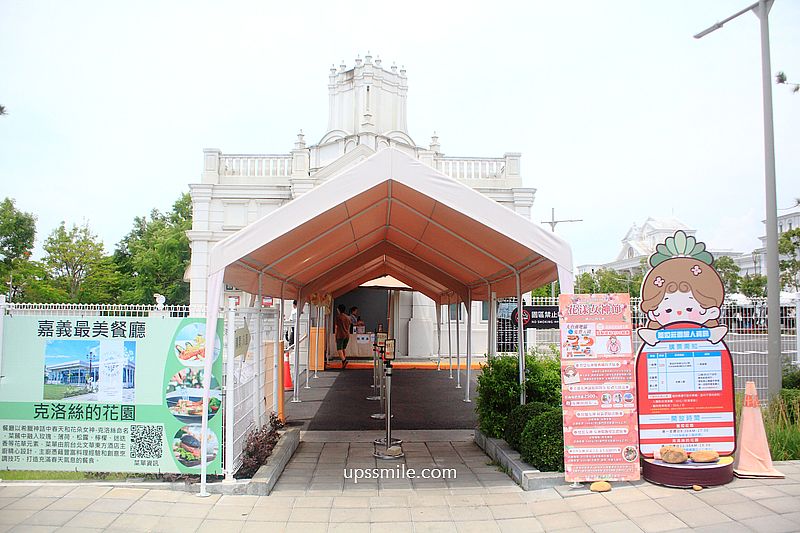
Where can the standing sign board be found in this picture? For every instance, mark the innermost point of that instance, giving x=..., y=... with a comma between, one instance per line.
x=685, y=382
x=109, y=394
x=598, y=388
x=684, y=371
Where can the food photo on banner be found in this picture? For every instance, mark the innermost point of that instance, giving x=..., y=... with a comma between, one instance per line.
x=598, y=388
x=107, y=394
x=684, y=371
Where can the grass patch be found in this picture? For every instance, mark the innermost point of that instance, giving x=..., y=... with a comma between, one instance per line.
x=59, y=392
x=48, y=475
x=782, y=424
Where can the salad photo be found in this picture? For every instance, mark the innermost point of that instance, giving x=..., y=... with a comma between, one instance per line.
x=184, y=396
x=186, y=445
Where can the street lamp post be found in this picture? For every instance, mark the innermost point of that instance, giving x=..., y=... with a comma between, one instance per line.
x=761, y=10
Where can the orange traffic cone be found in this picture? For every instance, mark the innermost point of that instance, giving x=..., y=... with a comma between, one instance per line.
x=752, y=450
x=287, y=373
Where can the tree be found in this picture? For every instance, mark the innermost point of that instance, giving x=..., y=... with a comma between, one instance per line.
x=789, y=247
x=33, y=282
x=729, y=272
x=754, y=286
x=780, y=79
x=604, y=281
x=153, y=257
x=72, y=255
x=17, y=232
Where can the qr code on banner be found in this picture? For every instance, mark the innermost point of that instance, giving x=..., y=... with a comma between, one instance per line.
x=147, y=441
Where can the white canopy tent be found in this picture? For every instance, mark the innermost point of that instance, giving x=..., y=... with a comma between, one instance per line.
x=389, y=215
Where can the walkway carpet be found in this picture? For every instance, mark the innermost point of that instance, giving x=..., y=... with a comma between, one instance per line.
x=421, y=399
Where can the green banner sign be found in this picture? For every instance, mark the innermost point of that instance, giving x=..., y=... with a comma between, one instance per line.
x=108, y=394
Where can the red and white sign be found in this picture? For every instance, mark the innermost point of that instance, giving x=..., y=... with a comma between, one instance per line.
x=598, y=388
x=266, y=301
x=685, y=384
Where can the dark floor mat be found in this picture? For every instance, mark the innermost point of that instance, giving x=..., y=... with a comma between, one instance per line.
x=421, y=399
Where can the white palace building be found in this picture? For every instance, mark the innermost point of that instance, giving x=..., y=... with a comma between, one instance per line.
x=367, y=113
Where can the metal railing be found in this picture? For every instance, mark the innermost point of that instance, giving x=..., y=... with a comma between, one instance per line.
x=746, y=338
x=135, y=310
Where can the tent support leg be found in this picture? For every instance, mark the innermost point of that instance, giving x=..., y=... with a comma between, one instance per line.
x=308, y=357
x=458, y=345
x=520, y=344
x=258, y=397
x=449, y=340
x=438, y=336
x=296, y=383
x=469, y=346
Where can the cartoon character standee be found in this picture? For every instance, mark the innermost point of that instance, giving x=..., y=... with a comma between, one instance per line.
x=684, y=370
x=682, y=286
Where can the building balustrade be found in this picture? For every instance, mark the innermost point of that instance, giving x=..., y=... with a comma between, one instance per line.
x=268, y=165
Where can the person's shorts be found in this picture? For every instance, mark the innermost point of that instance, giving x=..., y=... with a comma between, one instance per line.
x=341, y=344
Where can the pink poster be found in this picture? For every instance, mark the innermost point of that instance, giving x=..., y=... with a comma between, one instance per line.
x=598, y=388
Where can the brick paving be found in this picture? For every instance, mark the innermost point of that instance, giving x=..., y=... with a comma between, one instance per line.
x=314, y=496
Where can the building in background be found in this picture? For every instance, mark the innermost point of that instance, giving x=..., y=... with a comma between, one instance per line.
x=367, y=112
x=640, y=242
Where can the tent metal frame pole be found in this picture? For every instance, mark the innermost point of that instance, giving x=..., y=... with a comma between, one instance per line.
x=261, y=271
x=308, y=354
x=489, y=321
x=319, y=333
x=277, y=381
x=520, y=347
x=296, y=383
x=230, y=404
x=458, y=345
x=322, y=235
x=258, y=398
x=493, y=318
x=449, y=339
x=439, y=336
x=469, y=347
x=457, y=236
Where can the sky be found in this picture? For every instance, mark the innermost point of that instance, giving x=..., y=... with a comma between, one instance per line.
x=618, y=112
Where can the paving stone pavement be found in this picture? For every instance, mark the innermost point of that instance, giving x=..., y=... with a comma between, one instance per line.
x=315, y=496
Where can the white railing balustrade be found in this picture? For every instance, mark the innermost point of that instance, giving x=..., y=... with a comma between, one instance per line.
x=466, y=168
x=255, y=165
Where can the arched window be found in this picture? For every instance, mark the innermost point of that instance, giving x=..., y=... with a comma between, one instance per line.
x=630, y=253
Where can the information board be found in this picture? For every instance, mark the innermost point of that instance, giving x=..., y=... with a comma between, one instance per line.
x=598, y=388
x=108, y=394
x=686, y=391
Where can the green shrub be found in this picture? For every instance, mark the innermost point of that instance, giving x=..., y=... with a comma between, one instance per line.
x=498, y=388
x=543, y=378
x=542, y=442
x=515, y=424
x=498, y=394
x=791, y=378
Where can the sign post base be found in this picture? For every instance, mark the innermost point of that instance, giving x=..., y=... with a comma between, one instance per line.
x=685, y=475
